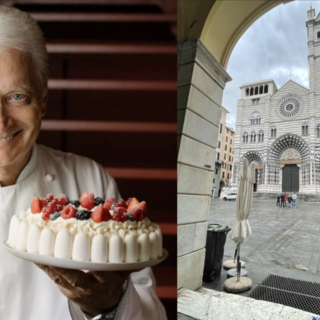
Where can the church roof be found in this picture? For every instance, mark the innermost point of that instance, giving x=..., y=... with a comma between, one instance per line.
x=291, y=82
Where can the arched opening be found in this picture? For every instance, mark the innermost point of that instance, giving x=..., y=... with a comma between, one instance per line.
x=251, y=91
x=247, y=92
x=266, y=88
x=261, y=90
x=256, y=90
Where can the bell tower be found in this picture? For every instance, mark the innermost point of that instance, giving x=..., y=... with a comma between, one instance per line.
x=313, y=30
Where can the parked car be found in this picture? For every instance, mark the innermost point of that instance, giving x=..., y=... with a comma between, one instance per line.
x=230, y=196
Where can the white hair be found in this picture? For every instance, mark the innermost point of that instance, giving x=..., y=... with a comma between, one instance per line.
x=18, y=30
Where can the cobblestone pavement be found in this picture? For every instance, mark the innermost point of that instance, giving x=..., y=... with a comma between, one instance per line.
x=286, y=237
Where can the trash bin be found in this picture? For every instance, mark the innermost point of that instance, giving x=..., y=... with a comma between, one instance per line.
x=216, y=239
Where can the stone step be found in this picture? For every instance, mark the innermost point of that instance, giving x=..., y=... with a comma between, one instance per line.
x=206, y=304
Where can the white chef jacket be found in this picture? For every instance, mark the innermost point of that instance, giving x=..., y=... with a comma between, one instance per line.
x=26, y=292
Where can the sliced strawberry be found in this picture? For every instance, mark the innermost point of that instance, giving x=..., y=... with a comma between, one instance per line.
x=68, y=212
x=62, y=199
x=44, y=202
x=84, y=195
x=36, y=205
x=138, y=214
x=88, y=201
x=100, y=214
x=133, y=203
x=142, y=205
x=108, y=203
x=128, y=201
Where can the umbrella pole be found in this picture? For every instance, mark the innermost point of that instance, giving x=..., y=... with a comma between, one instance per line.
x=235, y=255
x=238, y=263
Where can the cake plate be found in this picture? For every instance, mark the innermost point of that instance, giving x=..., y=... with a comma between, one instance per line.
x=83, y=265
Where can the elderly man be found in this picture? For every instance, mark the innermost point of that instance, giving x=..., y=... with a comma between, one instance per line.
x=27, y=169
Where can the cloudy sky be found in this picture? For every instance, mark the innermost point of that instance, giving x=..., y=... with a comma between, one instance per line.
x=275, y=44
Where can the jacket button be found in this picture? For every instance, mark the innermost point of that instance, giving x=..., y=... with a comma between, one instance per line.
x=49, y=177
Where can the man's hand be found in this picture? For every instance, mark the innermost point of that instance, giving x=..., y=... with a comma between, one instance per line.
x=94, y=292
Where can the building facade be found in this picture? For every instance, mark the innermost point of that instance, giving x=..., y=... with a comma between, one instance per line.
x=218, y=183
x=226, y=167
x=279, y=129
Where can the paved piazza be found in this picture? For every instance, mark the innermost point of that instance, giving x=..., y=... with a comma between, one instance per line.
x=285, y=237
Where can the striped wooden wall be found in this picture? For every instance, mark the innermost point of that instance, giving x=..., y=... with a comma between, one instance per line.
x=112, y=97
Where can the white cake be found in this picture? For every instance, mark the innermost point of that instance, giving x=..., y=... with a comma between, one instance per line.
x=87, y=230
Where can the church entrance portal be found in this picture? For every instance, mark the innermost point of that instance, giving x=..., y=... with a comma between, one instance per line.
x=290, y=178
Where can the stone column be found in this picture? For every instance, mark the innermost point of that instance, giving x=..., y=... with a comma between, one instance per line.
x=201, y=80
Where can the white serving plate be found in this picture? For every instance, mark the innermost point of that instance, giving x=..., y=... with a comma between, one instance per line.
x=82, y=265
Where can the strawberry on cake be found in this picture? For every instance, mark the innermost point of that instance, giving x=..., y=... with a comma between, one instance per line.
x=88, y=229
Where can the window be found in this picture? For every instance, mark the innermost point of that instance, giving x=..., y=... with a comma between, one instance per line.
x=230, y=149
x=230, y=167
x=230, y=141
x=220, y=127
x=218, y=155
x=247, y=92
x=224, y=157
x=251, y=92
x=229, y=158
x=214, y=180
x=262, y=137
x=305, y=130
x=273, y=133
x=223, y=174
x=318, y=132
x=225, y=147
x=226, y=139
x=318, y=34
x=228, y=176
x=256, y=101
x=216, y=170
x=256, y=90
x=266, y=88
x=244, y=139
x=219, y=144
x=227, y=130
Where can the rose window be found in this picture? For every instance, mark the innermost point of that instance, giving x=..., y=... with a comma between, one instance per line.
x=290, y=107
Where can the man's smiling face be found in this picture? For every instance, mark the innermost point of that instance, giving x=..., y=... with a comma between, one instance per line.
x=22, y=106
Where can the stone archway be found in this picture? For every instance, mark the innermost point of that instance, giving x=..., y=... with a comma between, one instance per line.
x=219, y=24
x=253, y=156
x=285, y=142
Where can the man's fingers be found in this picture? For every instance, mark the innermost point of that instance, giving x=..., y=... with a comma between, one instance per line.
x=76, y=278
x=56, y=277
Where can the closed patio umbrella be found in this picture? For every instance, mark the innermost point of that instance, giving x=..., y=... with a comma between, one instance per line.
x=241, y=228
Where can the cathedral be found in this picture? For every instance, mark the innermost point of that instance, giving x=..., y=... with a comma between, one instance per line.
x=279, y=129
